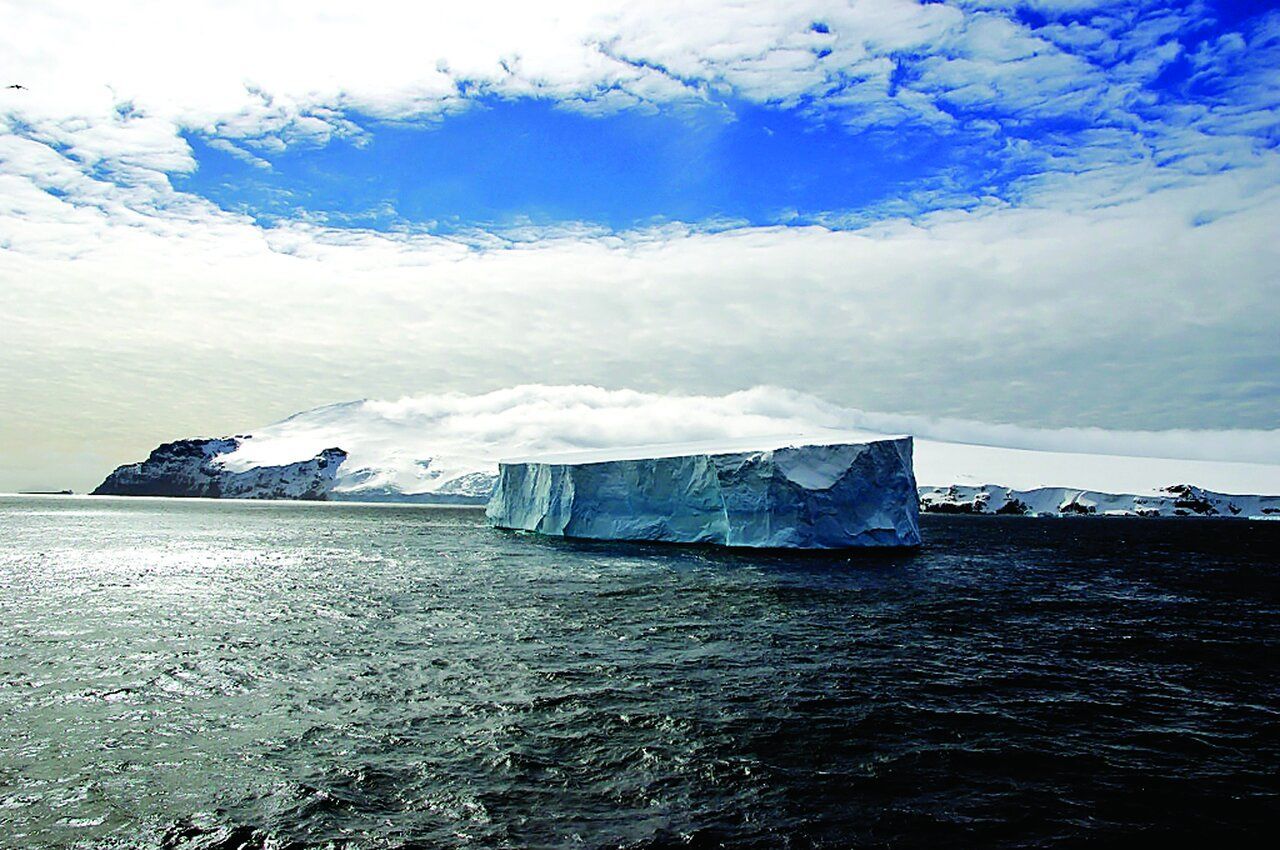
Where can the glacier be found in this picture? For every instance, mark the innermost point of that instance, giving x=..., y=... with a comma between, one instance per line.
x=839, y=496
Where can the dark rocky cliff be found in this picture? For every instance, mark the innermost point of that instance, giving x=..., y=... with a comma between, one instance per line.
x=192, y=468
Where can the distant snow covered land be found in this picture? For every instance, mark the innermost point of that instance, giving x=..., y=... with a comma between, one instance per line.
x=445, y=449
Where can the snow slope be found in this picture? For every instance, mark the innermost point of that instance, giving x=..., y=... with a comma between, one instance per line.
x=1172, y=501
x=446, y=447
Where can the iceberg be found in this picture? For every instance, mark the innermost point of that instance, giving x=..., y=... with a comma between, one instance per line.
x=836, y=496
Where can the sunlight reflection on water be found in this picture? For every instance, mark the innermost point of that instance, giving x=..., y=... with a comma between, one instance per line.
x=174, y=671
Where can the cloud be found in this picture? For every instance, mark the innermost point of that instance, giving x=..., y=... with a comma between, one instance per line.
x=423, y=443
x=1147, y=314
x=1118, y=270
x=239, y=153
x=537, y=418
x=1036, y=99
x=293, y=79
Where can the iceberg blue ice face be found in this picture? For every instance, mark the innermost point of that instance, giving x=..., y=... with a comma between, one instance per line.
x=840, y=496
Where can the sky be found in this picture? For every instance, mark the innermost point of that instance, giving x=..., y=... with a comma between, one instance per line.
x=1042, y=213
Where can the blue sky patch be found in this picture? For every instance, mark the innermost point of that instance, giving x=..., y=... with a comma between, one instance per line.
x=511, y=162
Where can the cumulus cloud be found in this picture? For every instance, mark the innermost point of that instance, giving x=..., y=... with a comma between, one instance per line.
x=291, y=79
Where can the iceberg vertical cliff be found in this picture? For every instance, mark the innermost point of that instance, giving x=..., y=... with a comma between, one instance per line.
x=802, y=497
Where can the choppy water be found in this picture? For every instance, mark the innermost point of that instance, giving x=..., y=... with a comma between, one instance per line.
x=196, y=674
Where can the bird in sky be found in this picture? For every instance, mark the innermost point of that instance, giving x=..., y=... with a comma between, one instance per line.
x=16, y=86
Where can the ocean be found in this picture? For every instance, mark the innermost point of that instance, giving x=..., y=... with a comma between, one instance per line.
x=199, y=674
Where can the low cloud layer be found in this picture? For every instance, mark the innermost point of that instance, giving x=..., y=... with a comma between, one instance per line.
x=420, y=444
x=1140, y=316
x=537, y=419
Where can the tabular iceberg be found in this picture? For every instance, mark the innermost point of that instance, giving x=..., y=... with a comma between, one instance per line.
x=846, y=495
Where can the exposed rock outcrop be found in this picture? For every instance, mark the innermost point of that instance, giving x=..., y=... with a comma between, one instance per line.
x=192, y=468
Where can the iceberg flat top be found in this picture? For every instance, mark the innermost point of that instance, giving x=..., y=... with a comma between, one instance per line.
x=691, y=448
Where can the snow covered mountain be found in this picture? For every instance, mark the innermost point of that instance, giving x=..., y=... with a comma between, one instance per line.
x=445, y=449
x=1174, y=500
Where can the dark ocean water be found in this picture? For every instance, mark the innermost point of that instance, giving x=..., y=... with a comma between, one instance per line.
x=195, y=674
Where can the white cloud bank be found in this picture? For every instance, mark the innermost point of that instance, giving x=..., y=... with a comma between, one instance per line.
x=422, y=444
x=1137, y=316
